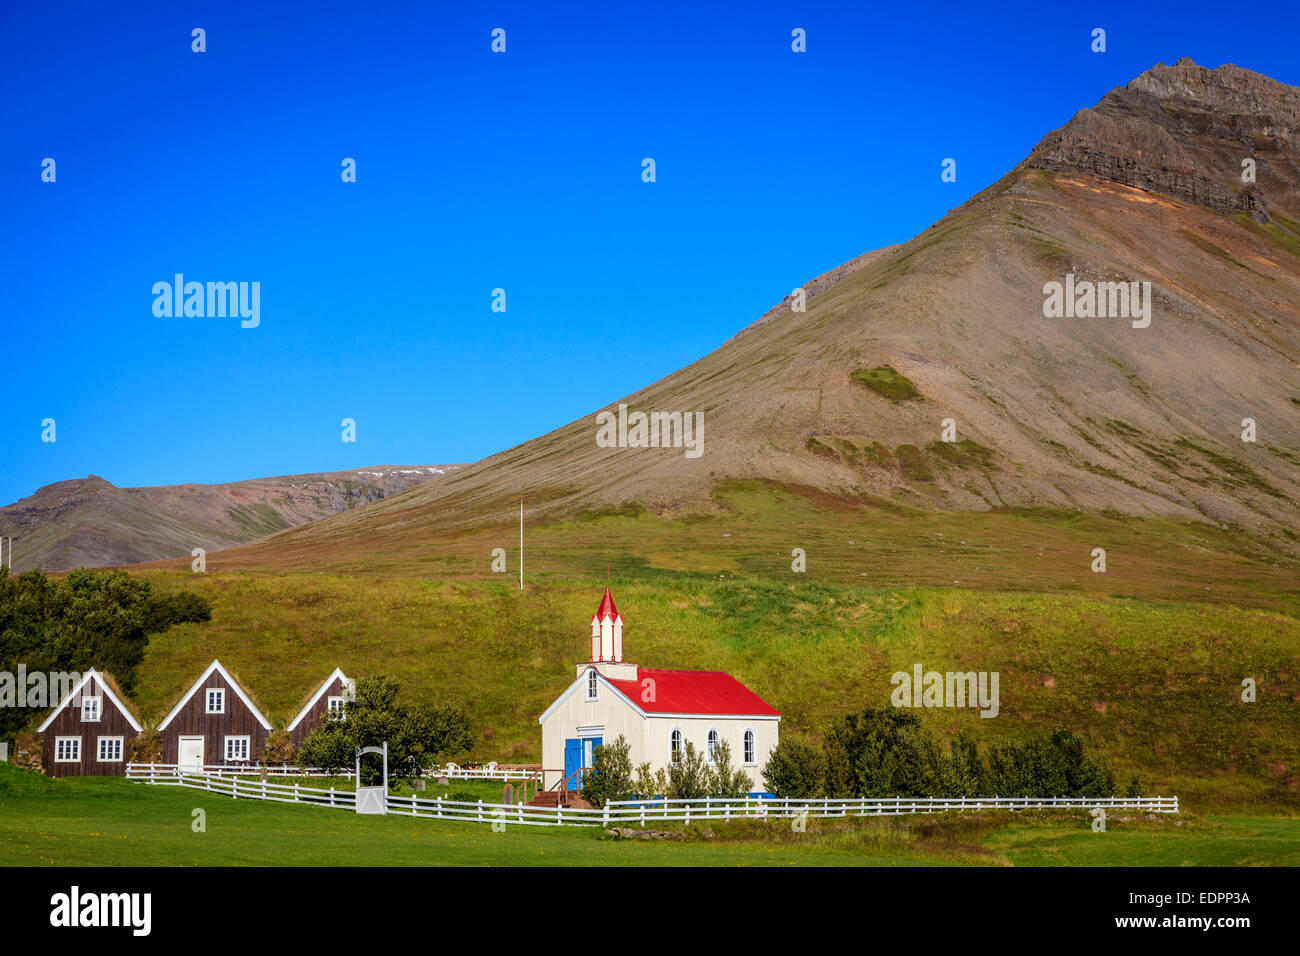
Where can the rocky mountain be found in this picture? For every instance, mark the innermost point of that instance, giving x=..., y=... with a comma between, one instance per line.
x=90, y=522
x=1192, y=413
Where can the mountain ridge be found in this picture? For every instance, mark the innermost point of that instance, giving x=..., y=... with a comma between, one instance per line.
x=1091, y=415
x=90, y=522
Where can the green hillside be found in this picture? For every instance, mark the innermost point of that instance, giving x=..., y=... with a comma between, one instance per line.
x=1154, y=686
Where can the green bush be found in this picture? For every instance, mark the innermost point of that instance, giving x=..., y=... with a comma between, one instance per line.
x=610, y=777
x=688, y=777
x=795, y=769
x=721, y=780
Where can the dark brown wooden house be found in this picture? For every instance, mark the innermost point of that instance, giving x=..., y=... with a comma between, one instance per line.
x=215, y=724
x=330, y=696
x=89, y=734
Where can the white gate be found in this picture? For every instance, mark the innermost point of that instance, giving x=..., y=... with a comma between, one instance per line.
x=372, y=799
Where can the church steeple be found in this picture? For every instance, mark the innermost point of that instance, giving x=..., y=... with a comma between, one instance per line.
x=607, y=631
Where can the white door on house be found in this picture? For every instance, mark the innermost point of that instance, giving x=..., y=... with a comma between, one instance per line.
x=191, y=754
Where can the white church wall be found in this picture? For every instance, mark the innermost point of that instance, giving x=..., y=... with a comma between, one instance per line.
x=658, y=739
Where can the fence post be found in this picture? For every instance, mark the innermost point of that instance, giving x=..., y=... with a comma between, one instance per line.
x=480, y=809
x=440, y=805
x=607, y=812
x=331, y=796
x=296, y=797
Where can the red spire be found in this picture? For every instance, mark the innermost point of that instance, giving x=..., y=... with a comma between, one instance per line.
x=606, y=606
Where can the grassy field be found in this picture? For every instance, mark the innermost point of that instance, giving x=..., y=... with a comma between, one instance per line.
x=113, y=822
x=882, y=544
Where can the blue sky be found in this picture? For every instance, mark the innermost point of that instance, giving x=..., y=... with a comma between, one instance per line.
x=478, y=171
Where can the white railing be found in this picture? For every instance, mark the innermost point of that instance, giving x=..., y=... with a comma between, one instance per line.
x=451, y=772
x=636, y=812
x=248, y=789
x=709, y=808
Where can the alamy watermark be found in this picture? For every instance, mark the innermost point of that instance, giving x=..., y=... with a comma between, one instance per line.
x=1098, y=300
x=215, y=300
x=651, y=430
x=38, y=689
x=951, y=689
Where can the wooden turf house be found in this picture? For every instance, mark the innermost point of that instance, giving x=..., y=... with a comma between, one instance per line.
x=215, y=723
x=656, y=711
x=89, y=733
x=330, y=697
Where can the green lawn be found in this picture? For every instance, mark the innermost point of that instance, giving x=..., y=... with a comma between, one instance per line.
x=113, y=822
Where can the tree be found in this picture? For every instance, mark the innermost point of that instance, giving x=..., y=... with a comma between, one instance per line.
x=1048, y=766
x=278, y=749
x=963, y=772
x=721, y=780
x=418, y=735
x=688, y=777
x=879, y=753
x=650, y=784
x=100, y=619
x=610, y=777
x=795, y=769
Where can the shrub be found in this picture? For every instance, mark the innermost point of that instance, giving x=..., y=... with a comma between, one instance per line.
x=795, y=769
x=650, y=784
x=610, y=777
x=279, y=748
x=720, y=779
x=1048, y=766
x=688, y=777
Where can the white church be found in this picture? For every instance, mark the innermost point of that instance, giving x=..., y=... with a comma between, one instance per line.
x=656, y=712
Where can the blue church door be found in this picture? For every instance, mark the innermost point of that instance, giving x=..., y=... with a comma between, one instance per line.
x=578, y=753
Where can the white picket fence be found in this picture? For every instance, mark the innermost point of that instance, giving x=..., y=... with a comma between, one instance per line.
x=635, y=812
x=451, y=771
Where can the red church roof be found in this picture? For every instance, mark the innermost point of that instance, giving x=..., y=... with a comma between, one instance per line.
x=606, y=607
x=693, y=692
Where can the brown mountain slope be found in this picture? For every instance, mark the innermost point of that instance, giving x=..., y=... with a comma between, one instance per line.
x=89, y=522
x=1086, y=414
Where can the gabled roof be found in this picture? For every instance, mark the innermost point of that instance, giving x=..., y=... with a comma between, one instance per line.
x=239, y=692
x=607, y=608
x=337, y=675
x=694, y=692
x=104, y=685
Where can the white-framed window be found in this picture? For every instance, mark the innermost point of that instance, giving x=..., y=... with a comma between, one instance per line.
x=749, y=751
x=90, y=709
x=67, y=749
x=675, y=744
x=711, y=745
x=593, y=685
x=216, y=700
x=110, y=750
x=334, y=705
x=237, y=748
